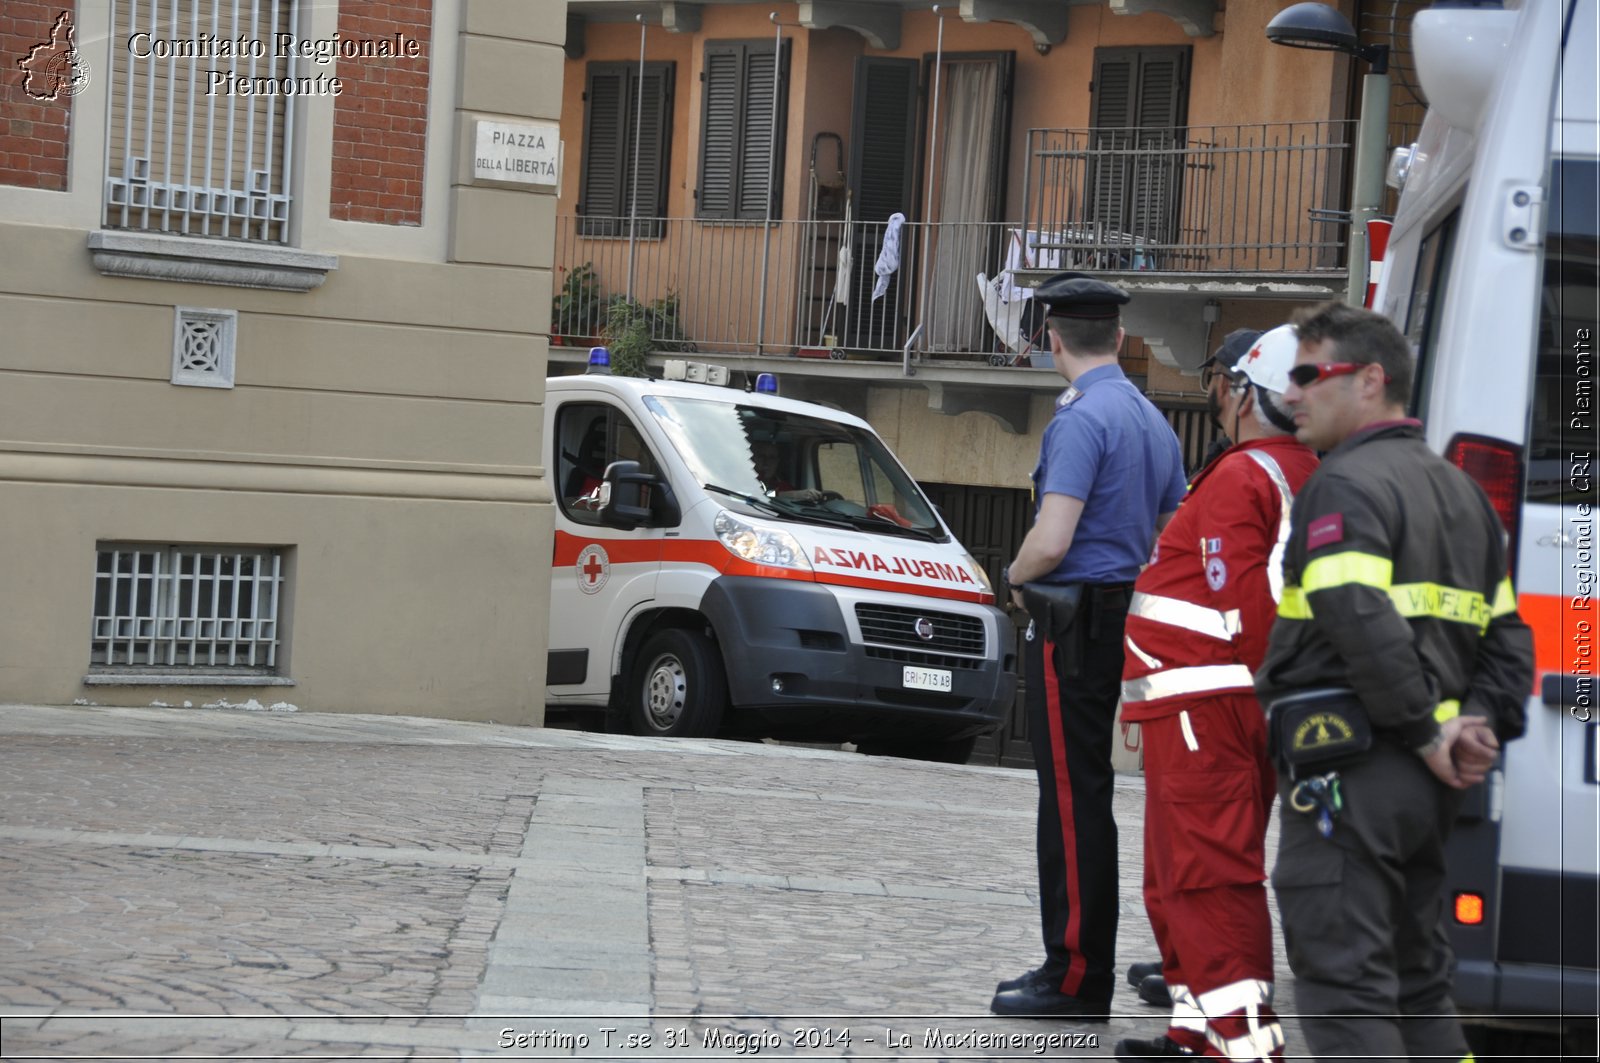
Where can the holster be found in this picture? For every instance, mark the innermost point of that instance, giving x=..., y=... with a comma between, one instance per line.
x=1055, y=608
x=1313, y=731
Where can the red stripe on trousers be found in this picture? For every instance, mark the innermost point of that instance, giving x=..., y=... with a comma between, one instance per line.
x=1073, y=979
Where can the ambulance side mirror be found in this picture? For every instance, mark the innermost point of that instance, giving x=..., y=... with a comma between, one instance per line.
x=632, y=498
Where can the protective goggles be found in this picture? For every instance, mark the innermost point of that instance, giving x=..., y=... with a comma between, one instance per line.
x=1304, y=376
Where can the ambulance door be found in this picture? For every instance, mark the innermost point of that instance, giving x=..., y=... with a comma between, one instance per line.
x=600, y=576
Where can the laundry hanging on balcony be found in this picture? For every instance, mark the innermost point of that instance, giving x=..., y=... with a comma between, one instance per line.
x=845, y=263
x=889, y=256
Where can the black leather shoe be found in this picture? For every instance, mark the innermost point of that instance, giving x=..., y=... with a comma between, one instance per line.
x=1020, y=980
x=1153, y=990
x=1039, y=997
x=1155, y=1048
x=1138, y=972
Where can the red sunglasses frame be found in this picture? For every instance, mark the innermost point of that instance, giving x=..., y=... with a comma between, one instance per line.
x=1324, y=370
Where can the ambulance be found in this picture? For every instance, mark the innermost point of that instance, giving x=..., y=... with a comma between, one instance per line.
x=1492, y=273
x=735, y=562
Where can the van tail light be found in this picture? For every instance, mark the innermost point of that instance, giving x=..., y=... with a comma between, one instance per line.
x=1497, y=467
x=1469, y=909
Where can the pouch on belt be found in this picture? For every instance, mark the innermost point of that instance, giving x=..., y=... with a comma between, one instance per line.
x=1054, y=607
x=1313, y=731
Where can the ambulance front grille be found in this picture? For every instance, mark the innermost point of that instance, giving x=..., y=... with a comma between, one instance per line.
x=897, y=626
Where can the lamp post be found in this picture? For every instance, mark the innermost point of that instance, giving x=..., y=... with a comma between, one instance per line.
x=1318, y=26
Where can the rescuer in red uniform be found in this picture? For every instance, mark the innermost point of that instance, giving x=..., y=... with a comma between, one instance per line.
x=1197, y=630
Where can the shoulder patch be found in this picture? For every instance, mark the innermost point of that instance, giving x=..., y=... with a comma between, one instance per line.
x=1325, y=530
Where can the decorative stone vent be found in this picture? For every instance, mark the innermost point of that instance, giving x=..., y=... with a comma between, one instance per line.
x=202, y=347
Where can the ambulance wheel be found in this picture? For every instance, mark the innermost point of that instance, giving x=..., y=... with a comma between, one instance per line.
x=678, y=688
x=949, y=751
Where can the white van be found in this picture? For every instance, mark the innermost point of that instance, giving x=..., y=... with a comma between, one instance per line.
x=735, y=562
x=1492, y=273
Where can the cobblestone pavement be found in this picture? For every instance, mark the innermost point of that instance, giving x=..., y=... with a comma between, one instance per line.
x=181, y=882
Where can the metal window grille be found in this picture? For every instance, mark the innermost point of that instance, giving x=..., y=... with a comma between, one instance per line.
x=186, y=606
x=187, y=151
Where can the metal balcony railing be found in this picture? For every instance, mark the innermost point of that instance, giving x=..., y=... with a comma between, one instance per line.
x=804, y=287
x=1208, y=199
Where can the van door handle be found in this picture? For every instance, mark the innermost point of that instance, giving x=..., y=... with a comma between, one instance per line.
x=1564, y=691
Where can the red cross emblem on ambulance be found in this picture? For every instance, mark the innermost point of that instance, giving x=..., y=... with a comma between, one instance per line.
x=594, y=568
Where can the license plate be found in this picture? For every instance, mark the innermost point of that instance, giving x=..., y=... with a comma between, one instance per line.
x=926, y=678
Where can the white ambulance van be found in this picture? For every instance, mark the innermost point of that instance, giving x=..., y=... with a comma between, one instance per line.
x=1493, y=271
x=732, y=562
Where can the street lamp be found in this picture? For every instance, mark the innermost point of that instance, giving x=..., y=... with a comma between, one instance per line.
x=1314, y=25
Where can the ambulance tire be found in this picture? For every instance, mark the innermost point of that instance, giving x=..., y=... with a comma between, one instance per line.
x=949, y=751
x=678, y=688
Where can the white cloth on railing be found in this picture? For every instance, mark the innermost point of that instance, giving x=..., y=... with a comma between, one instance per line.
x=1005, y=301
x=842, y=267
x=889, y=256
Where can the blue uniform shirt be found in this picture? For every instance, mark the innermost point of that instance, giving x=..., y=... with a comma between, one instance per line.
x=1113, y=450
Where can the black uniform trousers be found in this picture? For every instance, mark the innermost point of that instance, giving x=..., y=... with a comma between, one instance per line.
x=1363, y=914
x=1071, y=707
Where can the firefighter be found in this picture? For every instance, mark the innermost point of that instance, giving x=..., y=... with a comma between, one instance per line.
x=1197, y=630
x=1396, y=666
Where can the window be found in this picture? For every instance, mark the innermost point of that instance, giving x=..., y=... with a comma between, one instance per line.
x=739, y=127
x=182, y=607
x=624, y=117
x=1561, y=455
x=200, y=145
x=1427, y=292
x=591, y=436
x=1140, y=104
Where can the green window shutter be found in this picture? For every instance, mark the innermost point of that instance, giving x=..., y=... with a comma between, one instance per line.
x=737, y=129
x=605, y=126
x=607, y=181
x=1140, y=103
x=723, y=93
x=884, y=130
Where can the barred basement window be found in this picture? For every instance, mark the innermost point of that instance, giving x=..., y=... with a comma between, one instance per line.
x=188, y=151
x=186, y=607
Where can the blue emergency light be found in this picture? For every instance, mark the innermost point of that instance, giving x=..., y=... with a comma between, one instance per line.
x=599, y=361
x=767, y=384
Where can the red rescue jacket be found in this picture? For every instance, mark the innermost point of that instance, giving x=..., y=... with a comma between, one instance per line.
x=1203, y=607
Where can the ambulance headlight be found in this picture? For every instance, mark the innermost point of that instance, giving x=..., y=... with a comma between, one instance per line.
x=977, y=570
x=760, y=544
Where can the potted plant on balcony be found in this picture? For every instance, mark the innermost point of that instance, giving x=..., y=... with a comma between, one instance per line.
x=576, y=310
x=634, y=329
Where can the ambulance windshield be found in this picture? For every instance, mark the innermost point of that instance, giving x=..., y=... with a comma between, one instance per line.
x=804, y=468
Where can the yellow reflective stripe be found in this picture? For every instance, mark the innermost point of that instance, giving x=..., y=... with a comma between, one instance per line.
x=1505, y=599
x=1336, y=570
x=1294, y=605
x=1435, y=600
x=1448, y=709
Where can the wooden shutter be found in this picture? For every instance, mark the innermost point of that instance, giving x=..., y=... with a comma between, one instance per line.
x=738, y=128
x=883, y=137
x=607, y=182
x=1140, y=103
x=719, y=129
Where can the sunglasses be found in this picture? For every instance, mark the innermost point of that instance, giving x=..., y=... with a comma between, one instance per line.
x=1208, y=373
x=1304, y=376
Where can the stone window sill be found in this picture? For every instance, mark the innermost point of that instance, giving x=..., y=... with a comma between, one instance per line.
x=183, y=679
x=237, y=263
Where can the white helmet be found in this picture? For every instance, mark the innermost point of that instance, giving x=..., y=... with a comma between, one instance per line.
x=1266, y=365
x=1269, y=359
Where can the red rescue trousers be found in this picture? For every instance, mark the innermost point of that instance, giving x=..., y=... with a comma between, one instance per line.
x=1209, y=791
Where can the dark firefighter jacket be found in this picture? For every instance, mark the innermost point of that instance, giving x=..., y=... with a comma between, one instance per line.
x=1395, y=584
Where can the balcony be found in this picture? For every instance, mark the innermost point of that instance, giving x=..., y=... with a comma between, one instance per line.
x=1180, y=216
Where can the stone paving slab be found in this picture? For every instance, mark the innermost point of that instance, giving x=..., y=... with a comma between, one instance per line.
x=211, y=884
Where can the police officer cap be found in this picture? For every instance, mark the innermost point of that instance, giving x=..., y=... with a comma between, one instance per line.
x=1081, y=296
x=1234, y=347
